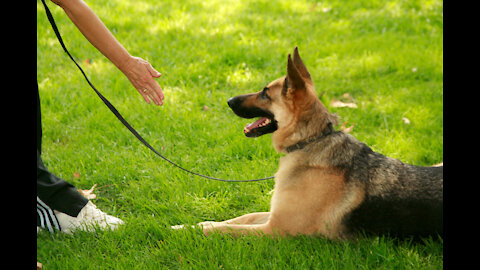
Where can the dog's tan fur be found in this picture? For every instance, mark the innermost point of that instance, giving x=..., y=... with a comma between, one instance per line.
x=317, y=187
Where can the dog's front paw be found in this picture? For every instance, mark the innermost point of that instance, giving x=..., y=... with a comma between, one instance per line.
x=199, y=225
x=179, y=227
x=206, y=223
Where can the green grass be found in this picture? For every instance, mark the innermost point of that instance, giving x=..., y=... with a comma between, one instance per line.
x=388, y=55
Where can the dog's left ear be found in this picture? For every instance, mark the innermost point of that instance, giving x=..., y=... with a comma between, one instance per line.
x=302, y=69
x=294, y=79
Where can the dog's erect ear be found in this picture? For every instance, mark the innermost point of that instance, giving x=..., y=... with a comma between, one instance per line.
x=300, y=66
x=295, y=80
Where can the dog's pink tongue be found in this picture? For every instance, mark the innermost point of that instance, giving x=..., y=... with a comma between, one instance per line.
x=254, y=124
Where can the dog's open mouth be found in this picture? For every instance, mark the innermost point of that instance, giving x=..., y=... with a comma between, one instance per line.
x=260, y=127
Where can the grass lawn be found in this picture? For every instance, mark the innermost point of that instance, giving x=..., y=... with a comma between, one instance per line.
x=384, y=56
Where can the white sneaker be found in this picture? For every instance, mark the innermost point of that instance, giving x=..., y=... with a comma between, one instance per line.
x=88, y=219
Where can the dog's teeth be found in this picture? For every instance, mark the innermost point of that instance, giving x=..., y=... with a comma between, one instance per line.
x=265, y=123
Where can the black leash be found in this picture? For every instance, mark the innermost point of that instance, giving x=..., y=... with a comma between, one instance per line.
x=120, y=117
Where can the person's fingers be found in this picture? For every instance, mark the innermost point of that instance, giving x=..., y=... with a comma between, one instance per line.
x=153, y=71
x=154, y=92
x=144, y=93
x=142, y=75
x=157, y=91
x=154, y=96
x=145, y=97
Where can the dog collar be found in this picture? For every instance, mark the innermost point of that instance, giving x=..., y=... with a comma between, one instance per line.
x=301, y=144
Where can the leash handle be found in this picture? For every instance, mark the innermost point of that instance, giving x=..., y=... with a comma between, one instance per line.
x=120, y=117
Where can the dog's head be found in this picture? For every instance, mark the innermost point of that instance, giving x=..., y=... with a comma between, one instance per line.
x=288, y=107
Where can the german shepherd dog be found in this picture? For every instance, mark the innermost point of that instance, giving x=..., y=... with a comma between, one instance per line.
x=329, y=183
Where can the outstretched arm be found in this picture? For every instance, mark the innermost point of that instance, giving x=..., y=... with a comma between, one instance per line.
x=138, y=71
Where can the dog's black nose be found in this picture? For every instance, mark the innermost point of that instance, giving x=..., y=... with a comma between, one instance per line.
x=230, y=102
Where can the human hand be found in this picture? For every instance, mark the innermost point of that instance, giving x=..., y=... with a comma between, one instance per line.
x=141, y=73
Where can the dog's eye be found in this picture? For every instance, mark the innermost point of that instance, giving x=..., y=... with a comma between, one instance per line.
x=264, y=93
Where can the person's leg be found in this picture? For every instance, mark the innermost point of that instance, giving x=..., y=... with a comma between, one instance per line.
x=39, y=124
x=51, y=190
x=46, y=217
x=57, y=193
x=59, y=204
